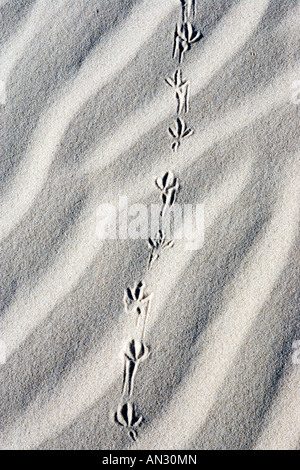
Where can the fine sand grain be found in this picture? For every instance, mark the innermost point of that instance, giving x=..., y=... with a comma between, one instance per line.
x=85, y=112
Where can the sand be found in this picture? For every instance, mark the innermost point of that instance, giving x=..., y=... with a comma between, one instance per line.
x=85, y=112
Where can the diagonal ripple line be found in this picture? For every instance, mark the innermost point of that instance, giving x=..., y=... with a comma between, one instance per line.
x=282, y=430
x=26, y=312
x=88, y=381
x=95, y=73
x=252, y=286
x=230, y=36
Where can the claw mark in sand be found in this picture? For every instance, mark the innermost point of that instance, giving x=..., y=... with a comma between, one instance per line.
x=136, y=301
x=182, y=88
x=178, y=132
